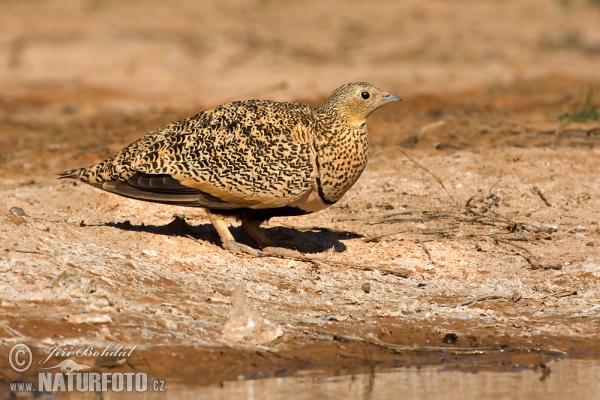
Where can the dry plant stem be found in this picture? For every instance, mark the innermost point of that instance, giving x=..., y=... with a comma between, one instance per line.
x=492, y=188
x=445, y=231
x=495, y=202
x=531, y=259
x=391, y=346
x=430, y=173
x=294, y=255
x=387, y=219
x=562, y=293
x=504, y=220
x=382, y=218
x=426, y=250
x=514, y=238
x=424, y=218
x=448, y=350
x=13, y=331
x=17, y=250
x=495, y=219
x=536, y=227
x=483, y=298
x=319, y=260
x=537, y=191
x=376, y=238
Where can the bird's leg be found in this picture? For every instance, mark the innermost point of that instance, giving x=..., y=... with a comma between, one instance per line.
x=252, y=227
x=227, y=240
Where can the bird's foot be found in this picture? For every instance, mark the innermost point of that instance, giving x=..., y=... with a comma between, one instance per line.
x=240, y=248
x=281, y=252
x=252, y=227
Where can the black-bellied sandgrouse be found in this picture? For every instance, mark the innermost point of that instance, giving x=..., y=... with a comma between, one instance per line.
x=252, y=159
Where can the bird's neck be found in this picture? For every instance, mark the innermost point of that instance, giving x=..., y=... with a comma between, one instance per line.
x=340, y=113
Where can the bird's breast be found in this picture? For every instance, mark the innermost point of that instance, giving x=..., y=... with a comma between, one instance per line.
x=340, y=162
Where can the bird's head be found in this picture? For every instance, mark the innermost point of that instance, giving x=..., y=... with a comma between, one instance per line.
x=355, y=101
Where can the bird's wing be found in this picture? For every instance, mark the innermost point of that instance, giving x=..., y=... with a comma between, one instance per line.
x=255, y=154
x=163, y=189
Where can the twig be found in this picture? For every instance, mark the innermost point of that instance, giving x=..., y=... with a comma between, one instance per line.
x=537, y=191
x=492, y=188
x=318, y=260
x=445, y=231
x=480, y=215
x=477, y=219
x=426, y=250
x=504, y=219
x=288, y=254
x=531, y=259
x=430, y=173
x=18, y=250
x=483, y=298
x=423, y=218
x=538, y=228
x=514, y=238
x=13, y=331
x=382, y=218
x=397, y=347
x=494, y=202
x=447, y=350
x=562, y=293
x=376, y=238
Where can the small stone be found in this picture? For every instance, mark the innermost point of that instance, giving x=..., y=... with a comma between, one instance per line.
x=366, y=287
x=450, y=338
x=336, y=317
x=516, y=296
x=167, y=323
x=89, y=319
x=18, y=211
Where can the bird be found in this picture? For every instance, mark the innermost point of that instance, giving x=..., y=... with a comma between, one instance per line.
x=252, y=160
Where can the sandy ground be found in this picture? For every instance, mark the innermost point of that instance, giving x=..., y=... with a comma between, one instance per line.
x=515, y=230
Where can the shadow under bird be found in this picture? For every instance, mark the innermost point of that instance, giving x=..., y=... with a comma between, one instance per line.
x=253, y=160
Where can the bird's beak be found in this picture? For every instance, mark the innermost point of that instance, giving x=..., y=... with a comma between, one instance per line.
x=390, y=98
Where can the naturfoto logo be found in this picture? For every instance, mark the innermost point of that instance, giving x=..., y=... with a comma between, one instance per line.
x=70, y=375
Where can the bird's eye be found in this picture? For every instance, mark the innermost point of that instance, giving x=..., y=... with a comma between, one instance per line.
x=365, y=95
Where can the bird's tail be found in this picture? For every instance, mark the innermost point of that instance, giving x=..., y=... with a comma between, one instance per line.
x=107, y=170
x=72, y=173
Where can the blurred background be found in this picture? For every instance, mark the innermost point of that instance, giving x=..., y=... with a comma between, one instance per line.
x=89, y=70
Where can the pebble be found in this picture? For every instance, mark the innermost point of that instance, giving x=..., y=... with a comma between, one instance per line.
x=366, y=287
x=18, y=211
x=450, y=338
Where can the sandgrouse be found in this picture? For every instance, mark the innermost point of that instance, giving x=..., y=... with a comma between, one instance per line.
x=252, y=159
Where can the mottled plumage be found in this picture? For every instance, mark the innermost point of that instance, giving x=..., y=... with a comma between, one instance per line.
x=253, y=159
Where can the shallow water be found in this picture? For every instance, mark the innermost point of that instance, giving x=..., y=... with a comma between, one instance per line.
x=567, y=379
